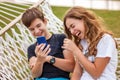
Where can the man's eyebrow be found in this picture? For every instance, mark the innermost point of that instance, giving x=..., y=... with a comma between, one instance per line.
x=38, y=24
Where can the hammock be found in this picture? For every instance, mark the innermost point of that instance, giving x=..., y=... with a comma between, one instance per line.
x=118, y=67
x=14, y=40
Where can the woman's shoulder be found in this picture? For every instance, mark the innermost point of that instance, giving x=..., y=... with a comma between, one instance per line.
x=107, y=39
x=107, y=36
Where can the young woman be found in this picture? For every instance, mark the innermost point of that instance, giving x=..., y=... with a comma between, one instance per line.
x=51, y=63
x=93, y=47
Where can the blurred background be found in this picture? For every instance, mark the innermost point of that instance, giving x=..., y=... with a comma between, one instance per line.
x=94, y=4
x=109, y=10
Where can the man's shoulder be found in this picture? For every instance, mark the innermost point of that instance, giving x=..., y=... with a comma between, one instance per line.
x=32, y=46
x=60, y=35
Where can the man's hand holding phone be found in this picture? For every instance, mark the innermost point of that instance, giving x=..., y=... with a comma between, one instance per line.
x=42, y=49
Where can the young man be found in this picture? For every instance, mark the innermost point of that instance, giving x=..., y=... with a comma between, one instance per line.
x=51, y=63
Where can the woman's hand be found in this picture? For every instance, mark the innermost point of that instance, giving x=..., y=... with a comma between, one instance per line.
x=69, y=45
x=42, y=52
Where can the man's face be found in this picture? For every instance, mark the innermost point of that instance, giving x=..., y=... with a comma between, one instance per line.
x=38, y=27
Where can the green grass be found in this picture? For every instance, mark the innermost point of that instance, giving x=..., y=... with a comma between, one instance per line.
x=14, y=8
x=4, y=19
x=8, y=16
x=16, y=14
x=111, y=18
x=19, y=5
x=11, y=12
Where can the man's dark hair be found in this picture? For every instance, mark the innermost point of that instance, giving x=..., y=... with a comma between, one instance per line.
x=31, y=14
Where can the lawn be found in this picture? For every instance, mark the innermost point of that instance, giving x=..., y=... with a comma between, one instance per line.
x=111, y=18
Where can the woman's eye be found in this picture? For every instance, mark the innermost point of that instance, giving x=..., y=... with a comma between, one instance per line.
x=72, y=26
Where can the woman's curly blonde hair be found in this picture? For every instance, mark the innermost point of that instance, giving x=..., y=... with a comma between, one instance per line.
x=93, y=27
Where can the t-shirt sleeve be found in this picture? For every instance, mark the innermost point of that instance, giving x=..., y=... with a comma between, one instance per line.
x=106, y=46
x=31, y=51
x=61, y=38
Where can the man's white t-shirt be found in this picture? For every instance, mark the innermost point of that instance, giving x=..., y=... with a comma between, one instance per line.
x=105, y=48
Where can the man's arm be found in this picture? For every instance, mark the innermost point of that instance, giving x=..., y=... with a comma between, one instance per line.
x=66, y=64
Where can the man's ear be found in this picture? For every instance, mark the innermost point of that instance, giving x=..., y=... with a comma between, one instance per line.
x=45, y=20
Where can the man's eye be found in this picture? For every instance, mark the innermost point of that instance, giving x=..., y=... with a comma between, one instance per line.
x=38, y=25
x=31, y=29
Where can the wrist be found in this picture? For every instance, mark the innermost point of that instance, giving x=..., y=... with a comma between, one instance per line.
x=40, y=61
x=52, y=60
x=77, y=51
x=48, y=59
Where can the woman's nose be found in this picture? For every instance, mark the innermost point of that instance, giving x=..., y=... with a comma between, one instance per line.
x=72, y=31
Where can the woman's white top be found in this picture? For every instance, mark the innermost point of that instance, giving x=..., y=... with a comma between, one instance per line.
x=105, y=48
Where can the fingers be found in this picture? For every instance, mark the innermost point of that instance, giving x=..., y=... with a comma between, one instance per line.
x=38, y=48
x=43, y=50
x=66, y=40
x=31, y=66
x=47, y=50
x=43, y=47
x=68, y=44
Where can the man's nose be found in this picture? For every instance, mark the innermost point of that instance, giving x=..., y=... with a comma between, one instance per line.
x=36, y=30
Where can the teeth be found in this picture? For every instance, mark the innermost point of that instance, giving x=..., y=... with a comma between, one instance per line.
x=77, y=34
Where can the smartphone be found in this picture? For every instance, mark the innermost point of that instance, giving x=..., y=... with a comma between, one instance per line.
x=42, y=39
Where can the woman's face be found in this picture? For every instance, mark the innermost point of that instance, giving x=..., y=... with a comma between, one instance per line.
x=76, y=27
x=38, y=27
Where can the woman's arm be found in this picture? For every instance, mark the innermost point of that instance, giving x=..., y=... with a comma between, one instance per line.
x=77, y=73
x=94, y=69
